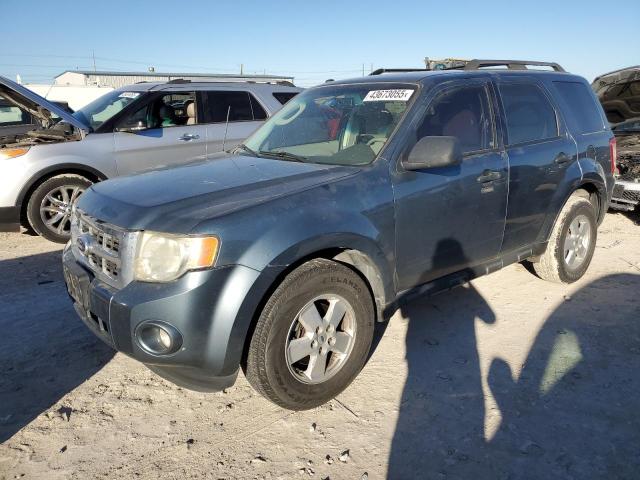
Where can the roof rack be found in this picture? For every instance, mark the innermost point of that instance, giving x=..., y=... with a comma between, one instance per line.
x=380, y=71
x=510, y=64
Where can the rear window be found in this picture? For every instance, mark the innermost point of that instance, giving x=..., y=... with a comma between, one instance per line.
x=585, y=115
x=284, y=97
x=530, y=116
x=240, y=106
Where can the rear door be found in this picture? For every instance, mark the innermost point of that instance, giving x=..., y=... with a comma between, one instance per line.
x=540, y=152
x=231, y=116
x=163, y=132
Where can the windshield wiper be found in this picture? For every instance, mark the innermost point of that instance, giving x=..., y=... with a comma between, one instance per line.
x=242, y=146
x=283, y=155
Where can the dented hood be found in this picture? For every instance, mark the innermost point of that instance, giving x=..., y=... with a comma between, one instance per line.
x=36, y=105
x=176, y=200
x=619, y=93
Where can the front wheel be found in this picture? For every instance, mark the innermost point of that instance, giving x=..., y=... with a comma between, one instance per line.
x=313, y=336
x=572, y=243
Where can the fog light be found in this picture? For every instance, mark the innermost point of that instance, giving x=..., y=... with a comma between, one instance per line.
x=158, y=338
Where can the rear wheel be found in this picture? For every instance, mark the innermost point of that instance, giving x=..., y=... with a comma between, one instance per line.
x=313, y=336
x=572, y=243
x=49, y=207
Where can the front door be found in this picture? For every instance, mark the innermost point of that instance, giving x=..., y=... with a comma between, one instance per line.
x=164, y=132
x=452, y=217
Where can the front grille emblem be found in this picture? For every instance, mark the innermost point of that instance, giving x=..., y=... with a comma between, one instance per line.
x=82, y=245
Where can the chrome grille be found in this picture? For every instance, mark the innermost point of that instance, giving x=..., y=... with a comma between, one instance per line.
x=102, y=248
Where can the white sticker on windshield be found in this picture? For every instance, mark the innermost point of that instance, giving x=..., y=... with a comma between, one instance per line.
x=129, y=95
x=388, y=95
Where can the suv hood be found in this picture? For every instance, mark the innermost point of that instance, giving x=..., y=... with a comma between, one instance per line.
x=176, y=200
x=619, y=93
x=36, y=105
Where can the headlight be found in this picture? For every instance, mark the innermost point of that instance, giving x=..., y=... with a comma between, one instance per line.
x=162, y=257
x=12, y=152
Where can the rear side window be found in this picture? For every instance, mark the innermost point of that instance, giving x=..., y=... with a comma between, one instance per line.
x=530, y=116
x=239, y=106
x=284, y=97
x=584, y=111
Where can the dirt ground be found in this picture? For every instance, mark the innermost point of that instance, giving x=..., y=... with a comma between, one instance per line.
x=508, y=378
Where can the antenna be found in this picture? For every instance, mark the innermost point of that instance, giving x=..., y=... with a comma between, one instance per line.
x=226, y=128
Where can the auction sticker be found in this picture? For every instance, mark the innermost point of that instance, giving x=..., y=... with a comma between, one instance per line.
x=129, y=95
x=399, y=95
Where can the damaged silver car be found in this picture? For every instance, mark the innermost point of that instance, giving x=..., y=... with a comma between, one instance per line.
x=619, y=93
x=132, y=129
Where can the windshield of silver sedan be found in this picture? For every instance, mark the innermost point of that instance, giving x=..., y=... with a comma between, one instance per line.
x=341, y=125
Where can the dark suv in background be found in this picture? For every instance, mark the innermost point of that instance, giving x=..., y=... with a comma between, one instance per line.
x=279, y=257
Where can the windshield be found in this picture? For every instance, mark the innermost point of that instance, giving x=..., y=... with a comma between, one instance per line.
x=341, y=125
x=105, y=107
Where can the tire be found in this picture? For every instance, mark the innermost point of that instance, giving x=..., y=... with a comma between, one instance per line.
x=555, y=264
x=49, y=206
x=288, y=318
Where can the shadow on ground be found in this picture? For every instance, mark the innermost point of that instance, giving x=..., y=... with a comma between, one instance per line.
x=572, y=412
x=45, y=350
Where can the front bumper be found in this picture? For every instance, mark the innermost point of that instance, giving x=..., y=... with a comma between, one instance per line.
x=626, y=195
x=9, y=219
x=206, y=307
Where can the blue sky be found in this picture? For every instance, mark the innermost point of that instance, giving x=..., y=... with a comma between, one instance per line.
x=312, y=41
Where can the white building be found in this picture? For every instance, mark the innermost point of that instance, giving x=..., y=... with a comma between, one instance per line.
x=120, y=79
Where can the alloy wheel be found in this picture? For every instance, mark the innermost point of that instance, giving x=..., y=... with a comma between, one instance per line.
x=320, y=339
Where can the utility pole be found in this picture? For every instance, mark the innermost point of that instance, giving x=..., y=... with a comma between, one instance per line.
x=93, y=54
x=242, y=69
x=363, y=69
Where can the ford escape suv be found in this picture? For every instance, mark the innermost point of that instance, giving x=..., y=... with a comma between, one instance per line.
x=131, y=129
x=279, y=257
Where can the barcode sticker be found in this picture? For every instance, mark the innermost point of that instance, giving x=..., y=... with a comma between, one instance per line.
x=399, y=95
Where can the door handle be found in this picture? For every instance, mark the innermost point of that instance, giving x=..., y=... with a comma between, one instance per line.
x=562, y=159
x=489, y=176
x=188, y=136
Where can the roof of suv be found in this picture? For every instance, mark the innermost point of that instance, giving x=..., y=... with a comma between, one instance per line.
x=158, y=86
x=421, y=75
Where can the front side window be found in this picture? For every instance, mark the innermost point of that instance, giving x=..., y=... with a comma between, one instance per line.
x=342, y=125
x=237, y=106
x=169, y=110
x=461, y=112
x=530, y=116
x=105, y=107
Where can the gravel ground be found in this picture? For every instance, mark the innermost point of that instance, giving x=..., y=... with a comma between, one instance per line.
x=508, y=378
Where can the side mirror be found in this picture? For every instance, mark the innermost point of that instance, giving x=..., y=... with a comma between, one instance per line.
x=434, y=152
x=132, y=128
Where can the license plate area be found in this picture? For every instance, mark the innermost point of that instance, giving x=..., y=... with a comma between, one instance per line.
x=78, y=282
x=77, y=286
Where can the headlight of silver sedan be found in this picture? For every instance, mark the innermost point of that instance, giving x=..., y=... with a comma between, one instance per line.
x=162, y=257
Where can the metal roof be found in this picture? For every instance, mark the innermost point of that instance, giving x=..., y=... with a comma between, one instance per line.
x=170, y=74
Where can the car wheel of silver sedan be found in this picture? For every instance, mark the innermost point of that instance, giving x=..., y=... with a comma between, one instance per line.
x=49, y=207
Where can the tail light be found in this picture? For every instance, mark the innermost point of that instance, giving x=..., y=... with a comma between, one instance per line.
x=613, y=151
